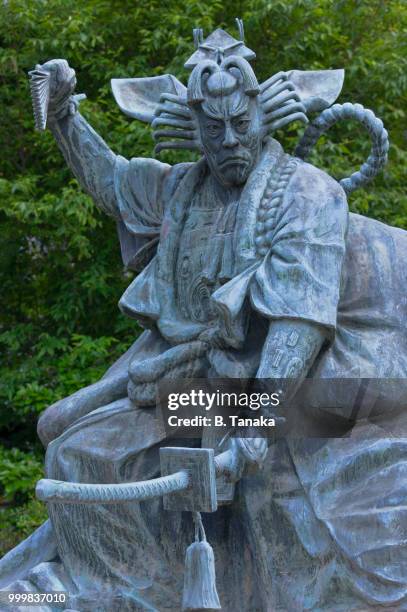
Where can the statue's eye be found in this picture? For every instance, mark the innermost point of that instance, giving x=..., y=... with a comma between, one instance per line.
x=241, y=125
x=213, y=129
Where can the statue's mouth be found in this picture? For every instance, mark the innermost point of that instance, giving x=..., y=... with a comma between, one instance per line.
x=231, y=161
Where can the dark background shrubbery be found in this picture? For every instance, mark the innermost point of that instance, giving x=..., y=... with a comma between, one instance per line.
x=60, y=269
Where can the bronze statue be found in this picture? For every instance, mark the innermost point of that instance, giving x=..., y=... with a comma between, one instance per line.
x=249, y=266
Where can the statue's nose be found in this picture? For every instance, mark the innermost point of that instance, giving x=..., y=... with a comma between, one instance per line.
x=230, y=139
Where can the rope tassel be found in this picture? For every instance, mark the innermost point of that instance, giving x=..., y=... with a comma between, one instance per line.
x=200, y=578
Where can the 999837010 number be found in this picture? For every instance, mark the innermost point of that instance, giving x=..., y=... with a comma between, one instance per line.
x=32, y=599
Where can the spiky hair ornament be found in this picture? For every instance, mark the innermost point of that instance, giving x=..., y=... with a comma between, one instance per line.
x=219, y=65
x=221, y=59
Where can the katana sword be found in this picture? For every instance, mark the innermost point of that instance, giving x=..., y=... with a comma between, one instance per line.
x=192, y=487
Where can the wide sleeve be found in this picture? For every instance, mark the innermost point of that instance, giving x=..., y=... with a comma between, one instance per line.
x=142, y=188
x=300, y=276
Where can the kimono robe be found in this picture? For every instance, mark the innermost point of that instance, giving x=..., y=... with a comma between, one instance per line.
x=323, y=526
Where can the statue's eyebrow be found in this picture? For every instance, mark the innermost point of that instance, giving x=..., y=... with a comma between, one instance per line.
x=212, y=114
x=240, y=113
x=241, y=108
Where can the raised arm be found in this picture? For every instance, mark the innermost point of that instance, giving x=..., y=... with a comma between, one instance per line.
x=133, y=192
x=86, y=153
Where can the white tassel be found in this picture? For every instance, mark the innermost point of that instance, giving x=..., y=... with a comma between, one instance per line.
x=200, y=578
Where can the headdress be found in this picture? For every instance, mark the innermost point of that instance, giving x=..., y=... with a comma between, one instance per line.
x=168, y=105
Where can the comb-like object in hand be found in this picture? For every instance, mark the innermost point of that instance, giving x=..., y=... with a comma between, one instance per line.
x=40, y=85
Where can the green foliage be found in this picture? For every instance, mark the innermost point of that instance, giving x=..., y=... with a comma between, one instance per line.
x=20, y=513
x=60, y=268
x=19, y=472
x=17, y=523
x=57, y=367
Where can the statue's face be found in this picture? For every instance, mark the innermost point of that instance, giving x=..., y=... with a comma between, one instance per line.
x=230, y=131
